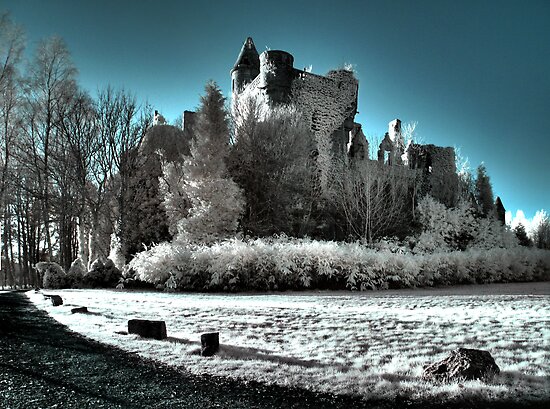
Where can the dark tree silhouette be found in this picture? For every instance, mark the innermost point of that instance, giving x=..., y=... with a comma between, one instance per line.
x=521, y=234
x=484, y=192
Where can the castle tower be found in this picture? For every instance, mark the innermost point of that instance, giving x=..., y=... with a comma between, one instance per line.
x=246, y=68
x=276, y=75
x=394, y=130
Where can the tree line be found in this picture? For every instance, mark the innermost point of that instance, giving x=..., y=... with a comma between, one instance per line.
x=64, y=157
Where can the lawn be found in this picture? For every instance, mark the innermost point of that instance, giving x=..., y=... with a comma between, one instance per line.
x=370, y=344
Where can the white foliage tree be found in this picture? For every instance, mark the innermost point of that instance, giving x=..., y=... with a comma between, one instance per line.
x=444, y=229
x=216, y=202
x=173, y=191
x=447, y=229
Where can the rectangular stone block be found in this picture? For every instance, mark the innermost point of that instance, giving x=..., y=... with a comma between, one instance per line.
x=210, y=343
x=147, y=328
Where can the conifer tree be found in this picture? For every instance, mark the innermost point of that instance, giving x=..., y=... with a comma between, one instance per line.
x=484, y=192
x=216, y=201
x=521, y=234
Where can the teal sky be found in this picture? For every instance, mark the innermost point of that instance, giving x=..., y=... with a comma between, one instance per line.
x=473, y=74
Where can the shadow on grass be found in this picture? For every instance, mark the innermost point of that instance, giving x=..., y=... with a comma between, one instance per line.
x=258, y=354
x=241, y=353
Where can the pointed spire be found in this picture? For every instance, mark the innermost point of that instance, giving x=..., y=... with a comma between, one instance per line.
x=248, y=57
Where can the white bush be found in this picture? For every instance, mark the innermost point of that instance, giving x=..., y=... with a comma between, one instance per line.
x=77, y=268
x=449, y=229
x=75, y=274
x=52, y=274
x=285, y=263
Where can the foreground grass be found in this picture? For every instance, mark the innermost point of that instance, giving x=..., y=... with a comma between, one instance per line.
x=373, y=345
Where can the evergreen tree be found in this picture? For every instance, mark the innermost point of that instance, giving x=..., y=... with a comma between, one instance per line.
x=484, y=192
x=216, y=200
x=147, y=222
x=271, y=159
x=521, y=234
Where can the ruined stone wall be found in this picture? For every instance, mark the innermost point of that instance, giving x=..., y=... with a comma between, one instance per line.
x=439, y=167
x=328, y=104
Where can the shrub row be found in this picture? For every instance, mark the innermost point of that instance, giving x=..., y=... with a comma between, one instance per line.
x=284, y=263
x=101, y=275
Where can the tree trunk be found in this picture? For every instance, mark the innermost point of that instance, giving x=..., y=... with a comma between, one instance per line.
x=83, y=241
x=94, y=249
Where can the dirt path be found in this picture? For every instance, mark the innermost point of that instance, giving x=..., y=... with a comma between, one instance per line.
x=44, y=365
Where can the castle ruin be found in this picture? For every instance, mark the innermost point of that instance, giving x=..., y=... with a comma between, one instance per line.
x=329, y=105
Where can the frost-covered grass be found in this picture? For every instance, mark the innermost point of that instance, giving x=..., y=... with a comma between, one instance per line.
x=370, y=344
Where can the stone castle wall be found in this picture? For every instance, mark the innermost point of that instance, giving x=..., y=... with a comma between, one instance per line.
x=329, y=104
x=439, y=166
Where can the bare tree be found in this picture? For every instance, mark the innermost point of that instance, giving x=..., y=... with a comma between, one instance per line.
x=72, y=162
x=122, y=124
x=374, y=198
x=11, y=49
x=50, y=83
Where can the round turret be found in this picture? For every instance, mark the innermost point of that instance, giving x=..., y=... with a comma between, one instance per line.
x=246, y=68
x=276, y=74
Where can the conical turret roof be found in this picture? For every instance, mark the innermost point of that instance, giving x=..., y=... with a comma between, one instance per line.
x=248, y=57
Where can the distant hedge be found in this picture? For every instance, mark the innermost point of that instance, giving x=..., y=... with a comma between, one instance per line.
x=285, y=263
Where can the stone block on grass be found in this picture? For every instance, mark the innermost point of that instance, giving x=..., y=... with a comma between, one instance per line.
x=147, y=328
x=463, y=364
x=210, y=343
x=56, y=300
x=79, y=310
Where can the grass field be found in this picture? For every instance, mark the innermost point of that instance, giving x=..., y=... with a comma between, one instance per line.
x=370, y=344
